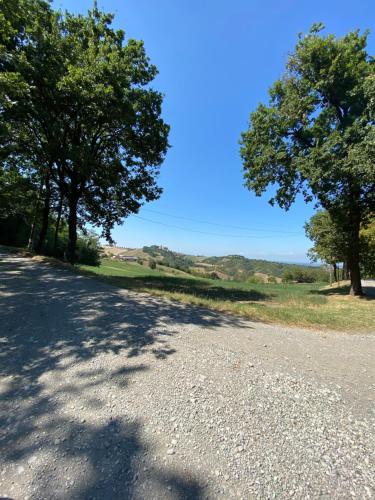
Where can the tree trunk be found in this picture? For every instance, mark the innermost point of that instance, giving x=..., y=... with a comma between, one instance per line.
x=72, y=229
x=353, y=261
x=355, y=279
x=59, y=210
x=30, y=243
x=335, y=271
x=344, y=271
x=45, y=216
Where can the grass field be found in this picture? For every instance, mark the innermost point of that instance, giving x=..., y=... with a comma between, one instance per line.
x=308, y=305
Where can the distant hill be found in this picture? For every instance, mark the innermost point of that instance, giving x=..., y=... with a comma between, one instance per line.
x=232, y=267
x=240, y=268
x=229, y=267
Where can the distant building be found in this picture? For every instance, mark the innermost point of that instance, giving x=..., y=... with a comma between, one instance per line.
x=129, y=258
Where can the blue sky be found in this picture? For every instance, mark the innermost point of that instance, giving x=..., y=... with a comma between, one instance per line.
x=216, y=60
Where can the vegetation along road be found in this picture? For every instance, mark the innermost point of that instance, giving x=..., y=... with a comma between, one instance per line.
x=109, y=393
x=313, y=305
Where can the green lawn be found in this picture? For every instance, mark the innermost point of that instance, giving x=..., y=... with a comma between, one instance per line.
x=309, y=305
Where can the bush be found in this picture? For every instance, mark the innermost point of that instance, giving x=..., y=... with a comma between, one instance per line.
x=305, y=275
x=214, y=276
x=152, y=264
x=256, y=280
x=88, y=250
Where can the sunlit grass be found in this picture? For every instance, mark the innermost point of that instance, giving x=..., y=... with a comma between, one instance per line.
x=308, y=305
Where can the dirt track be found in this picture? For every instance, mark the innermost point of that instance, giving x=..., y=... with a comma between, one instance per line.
x=113, y=394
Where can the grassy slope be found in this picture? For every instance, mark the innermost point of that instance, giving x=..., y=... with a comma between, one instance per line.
x=303, y=305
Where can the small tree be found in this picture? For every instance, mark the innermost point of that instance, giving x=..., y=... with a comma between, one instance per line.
x=331, y=243
x=316, y=136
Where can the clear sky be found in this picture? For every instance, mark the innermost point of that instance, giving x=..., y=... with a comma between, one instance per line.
x=216, y=60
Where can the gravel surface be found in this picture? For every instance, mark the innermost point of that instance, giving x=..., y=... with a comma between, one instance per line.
x=110, y=394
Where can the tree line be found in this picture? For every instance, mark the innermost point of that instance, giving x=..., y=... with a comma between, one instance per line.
x=82, y=138
x=331, y=245
x=81, y=133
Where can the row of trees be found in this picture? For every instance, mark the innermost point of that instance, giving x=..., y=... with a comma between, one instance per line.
x=81, y=133
x=305, y=274
x=316, y=137
x=331, y=244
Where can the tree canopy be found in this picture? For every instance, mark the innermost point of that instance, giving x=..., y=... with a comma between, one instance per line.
x=330, y=243
x=316, y=135
x=83, y=120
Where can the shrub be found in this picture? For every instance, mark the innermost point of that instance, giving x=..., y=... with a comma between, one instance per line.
x=88, y=250
x=214, y=276
x=305, y=275
x=255, y=279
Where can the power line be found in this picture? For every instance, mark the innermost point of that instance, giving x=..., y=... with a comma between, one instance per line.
x=220, y=225
x=201, y=232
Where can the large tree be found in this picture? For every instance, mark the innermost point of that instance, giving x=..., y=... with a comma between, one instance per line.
x=316, y=135
x=96, y=136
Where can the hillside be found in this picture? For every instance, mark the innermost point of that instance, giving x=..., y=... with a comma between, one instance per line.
x=241, y=268
x=229, y=267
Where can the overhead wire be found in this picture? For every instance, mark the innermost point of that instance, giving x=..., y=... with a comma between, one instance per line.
x=262, y=230
x=205, y=232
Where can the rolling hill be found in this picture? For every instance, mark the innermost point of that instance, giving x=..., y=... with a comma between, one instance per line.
x=229, y=267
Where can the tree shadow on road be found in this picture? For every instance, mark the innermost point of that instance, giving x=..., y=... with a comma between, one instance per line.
x=344, y=291
x=53, y=321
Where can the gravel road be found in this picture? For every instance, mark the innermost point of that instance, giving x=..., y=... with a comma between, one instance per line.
x=109, y=394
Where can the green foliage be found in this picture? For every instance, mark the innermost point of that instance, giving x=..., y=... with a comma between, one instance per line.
x=305, y=275
x=368, y=249
x=88, y=250
x=152, y=250
x=169, y=258
x=152, y=264
x=15, y=231
x=241, y=268
x=78, y=112
x=316, y=136
x=330, y=240
x=254, y=279
x=18, y=194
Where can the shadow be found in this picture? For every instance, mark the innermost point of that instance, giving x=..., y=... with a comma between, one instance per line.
x=57, y=331
x=345, y=291
x=204, y=289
